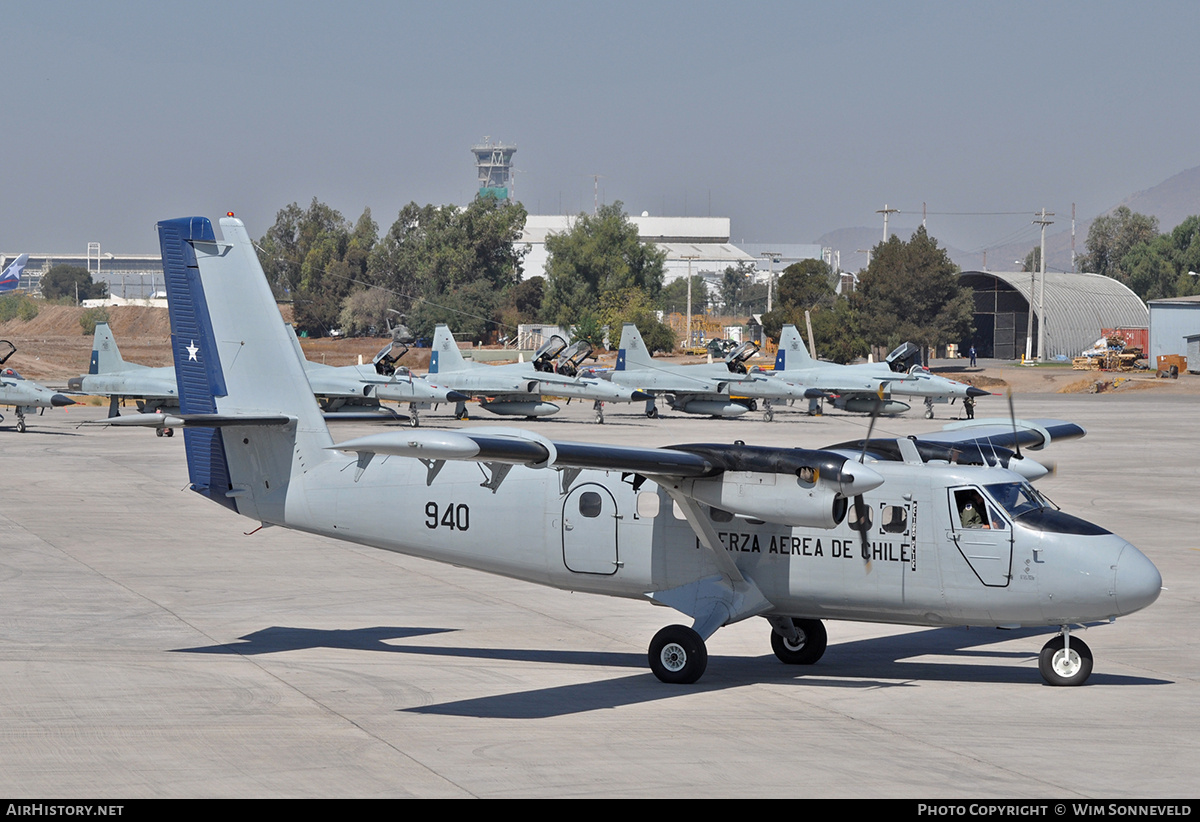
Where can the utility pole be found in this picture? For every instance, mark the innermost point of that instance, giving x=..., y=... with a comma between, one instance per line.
x=770, y=255
x=1043, y=222
x=885, y=211
x=689, y=258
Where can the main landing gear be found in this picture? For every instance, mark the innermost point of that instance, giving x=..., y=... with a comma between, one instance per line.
x=1065, y=661
x=598, y=408
x=679, y=656
x=928, y=408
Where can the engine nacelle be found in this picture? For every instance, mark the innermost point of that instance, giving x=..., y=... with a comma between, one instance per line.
x=781, y=498
x=520, y=408
x=713, y=408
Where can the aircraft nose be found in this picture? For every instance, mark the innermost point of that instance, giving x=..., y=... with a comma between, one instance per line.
x=455, y=396
x=640, y=396
x=977, y=392
x=61, y=399
x=1138, y=582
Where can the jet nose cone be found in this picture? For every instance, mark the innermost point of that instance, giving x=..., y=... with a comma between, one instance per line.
x=61, y=399
x=455, y=396
x=640, y=396
x=1138, y=582
x=977, y=392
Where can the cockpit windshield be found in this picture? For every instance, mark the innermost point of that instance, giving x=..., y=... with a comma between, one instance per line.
x=8, y=372
x=1018, y=498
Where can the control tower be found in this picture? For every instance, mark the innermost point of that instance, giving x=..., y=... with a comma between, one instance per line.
x=494, y=164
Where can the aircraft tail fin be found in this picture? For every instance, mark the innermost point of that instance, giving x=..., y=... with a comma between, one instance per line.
x=236, y=361
x=106, y=357
x=632, y=352
x=793, y=354
x=445, y=356
x=11, y=277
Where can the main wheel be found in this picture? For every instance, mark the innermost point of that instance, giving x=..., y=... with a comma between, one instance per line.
x=810, y=648
x=678, y=655
x=929, y=414
x=1061, y=665
x=768, y=415
x=414, y=421
x=652, y=413
x=21, y=426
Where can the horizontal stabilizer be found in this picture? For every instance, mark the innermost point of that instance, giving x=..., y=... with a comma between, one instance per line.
x=194, y=420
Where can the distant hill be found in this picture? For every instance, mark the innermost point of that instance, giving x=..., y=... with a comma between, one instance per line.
x=1171, y=201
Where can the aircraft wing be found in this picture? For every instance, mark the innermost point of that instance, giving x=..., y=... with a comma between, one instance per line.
x=999, y=431
x=812, y=491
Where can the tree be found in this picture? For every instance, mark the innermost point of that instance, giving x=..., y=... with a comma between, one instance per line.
x=673, y=299
x=315, y=257
x=1033, y=260
x=1159, y=267
x=806, y=284
x=632, y=305
x=71, y=281
x=910, y=291
x=734, y=282
x=600, y=254
x=1111, y=237
x=432, y=253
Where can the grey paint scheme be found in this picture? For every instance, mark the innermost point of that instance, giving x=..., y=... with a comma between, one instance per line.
x=27, y=396
x=694, y=389
x=862, y=381
x=515, y=388
x=525, y=522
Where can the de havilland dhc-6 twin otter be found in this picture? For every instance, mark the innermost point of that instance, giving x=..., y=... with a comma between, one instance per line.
x=929, y=531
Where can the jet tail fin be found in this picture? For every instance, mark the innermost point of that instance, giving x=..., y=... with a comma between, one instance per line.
x=11, y=277
x=445, y=356
x=235, y=357
x=632, y=353
x=106, y=357
x=793, y=354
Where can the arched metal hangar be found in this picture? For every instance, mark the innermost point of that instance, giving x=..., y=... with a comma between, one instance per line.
x=1077, y=306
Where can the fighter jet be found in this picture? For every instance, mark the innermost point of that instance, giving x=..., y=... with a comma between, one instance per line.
x=519, y=389
x=350, y=391
x=711, y=389
x=857, y=387
x=24, y=395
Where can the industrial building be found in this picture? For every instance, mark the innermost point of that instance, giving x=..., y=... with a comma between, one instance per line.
x=1175, y=329
x=1076, y=308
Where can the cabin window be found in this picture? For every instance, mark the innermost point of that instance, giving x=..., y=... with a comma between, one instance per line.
x=971, y=511
x=893, y=519
x=852, y=517
x=590, y=504
x=647, y=504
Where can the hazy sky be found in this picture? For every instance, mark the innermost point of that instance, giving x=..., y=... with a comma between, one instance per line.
x=790, y=118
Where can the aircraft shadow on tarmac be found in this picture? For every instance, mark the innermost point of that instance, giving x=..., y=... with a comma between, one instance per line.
x=879, y=662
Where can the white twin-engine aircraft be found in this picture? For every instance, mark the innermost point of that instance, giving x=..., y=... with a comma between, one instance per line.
x=944, y=530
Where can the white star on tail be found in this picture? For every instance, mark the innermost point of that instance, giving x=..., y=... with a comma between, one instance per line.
x=192, y=349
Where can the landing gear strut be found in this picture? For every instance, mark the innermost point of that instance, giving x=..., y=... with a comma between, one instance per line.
x=598, y=407
x=20, y=421
x=414, y=417
x=928, y=408
x=1065, y=661
x=768, y=411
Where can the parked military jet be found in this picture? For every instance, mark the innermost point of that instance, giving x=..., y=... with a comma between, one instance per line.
x=855, y=387
x=24, y=395
x=519, y=389
x=348, y=390
x=10, y=278
x=896, y=531
x=702, y=388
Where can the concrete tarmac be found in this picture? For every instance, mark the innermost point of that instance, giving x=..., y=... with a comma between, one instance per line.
x=150, y=647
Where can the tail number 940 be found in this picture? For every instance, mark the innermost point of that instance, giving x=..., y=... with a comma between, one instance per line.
x=454, y=517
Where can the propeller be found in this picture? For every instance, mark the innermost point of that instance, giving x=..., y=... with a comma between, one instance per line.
x=861, y=511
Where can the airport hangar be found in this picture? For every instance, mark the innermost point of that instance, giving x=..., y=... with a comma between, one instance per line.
x=1076, y=307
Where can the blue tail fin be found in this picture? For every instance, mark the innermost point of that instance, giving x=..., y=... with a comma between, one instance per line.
x=235, y=358
x=11, y=278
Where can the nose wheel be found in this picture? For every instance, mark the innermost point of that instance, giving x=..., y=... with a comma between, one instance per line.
x=806, y=644
x=1065, y=661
